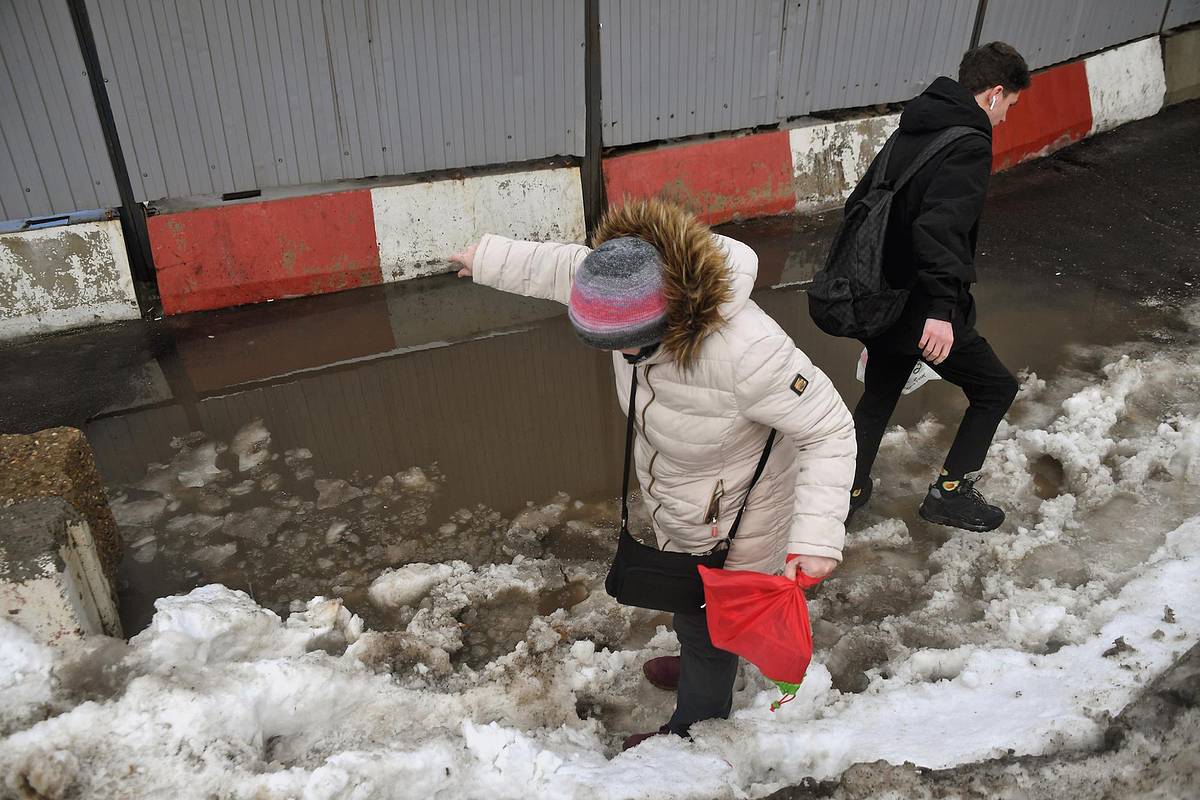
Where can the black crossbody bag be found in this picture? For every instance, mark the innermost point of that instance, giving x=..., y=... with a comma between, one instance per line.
x=647, y=577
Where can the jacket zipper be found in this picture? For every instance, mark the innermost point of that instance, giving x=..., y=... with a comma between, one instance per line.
x=654, y=453
x=713, y=515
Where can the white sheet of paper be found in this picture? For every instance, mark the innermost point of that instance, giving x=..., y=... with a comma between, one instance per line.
x=921, y=374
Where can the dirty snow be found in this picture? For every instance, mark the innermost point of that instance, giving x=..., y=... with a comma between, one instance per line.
x=477, y=656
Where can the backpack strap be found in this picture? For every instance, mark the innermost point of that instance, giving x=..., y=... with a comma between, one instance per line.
x=881, y=160
x=943, y=140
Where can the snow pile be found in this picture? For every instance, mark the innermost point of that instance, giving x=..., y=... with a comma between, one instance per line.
x=25, y=684
x=229, y=691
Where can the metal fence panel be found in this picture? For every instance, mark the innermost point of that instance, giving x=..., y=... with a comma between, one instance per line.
x=215, y=96
x=850, y=53
x=683, y=67
x=53, y=160
x=1182, y=12
x=1049, y=32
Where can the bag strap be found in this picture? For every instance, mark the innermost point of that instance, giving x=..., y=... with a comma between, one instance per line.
x=758, y=470
x=943, y=140
x=628, y=453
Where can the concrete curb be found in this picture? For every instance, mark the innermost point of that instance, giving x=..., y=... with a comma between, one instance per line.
x=1181, y=63
x=64, y=277
x=830, y=158
x=1125, y=84
x=51, y=581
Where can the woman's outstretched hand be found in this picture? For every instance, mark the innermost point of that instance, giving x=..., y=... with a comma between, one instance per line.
x=465, y=258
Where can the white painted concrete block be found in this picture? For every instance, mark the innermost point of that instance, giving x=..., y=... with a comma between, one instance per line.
x=63, y=277
x=51, y=582
x=1126, y=83
x=829, y=158
x=419, y=225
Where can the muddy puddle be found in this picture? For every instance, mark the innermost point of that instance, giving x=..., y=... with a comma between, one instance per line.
x=295, y=474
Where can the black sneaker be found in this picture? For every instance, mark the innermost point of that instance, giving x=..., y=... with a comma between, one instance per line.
x=859, y=497
x=962, y=508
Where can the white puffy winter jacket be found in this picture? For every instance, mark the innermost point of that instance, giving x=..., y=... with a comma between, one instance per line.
x=701, y=427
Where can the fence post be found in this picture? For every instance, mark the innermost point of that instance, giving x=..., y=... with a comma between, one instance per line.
x=977, y=31
x=133, y=215
x=593, y=175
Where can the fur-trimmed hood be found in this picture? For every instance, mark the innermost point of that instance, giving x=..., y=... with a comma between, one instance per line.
x=703, y=288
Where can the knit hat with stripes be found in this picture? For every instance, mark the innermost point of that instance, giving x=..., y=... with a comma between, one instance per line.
x=617, y=298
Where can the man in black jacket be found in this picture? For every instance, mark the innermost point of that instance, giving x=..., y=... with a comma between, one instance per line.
x=930, y=250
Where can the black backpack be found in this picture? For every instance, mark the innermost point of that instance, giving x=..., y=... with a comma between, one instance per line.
x=849, y=296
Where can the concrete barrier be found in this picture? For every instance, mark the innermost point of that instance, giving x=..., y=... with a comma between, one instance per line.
x=58, y=462
x=1125, y=83
x=829, y=158
x=418, y=225
x=1053, y=112
x=250, y=252
x=1181, y=60
x=62, y=277
x=720, y=179
x=51, y=581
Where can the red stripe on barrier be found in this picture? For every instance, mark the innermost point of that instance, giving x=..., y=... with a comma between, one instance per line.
x=747, y=176
x=1053, y=112
x=248, y=253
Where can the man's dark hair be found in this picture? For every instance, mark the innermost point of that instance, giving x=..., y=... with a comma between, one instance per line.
x=994, y=64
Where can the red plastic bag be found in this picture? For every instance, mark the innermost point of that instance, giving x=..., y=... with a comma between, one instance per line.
x=764, y=619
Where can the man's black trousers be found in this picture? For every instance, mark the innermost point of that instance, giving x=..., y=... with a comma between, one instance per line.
x=971, y=365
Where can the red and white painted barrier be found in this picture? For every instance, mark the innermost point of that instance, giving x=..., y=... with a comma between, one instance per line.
x=417, y=225
x=830, y=158
x=249, y=252
x=1126, y=83
x=718, y=179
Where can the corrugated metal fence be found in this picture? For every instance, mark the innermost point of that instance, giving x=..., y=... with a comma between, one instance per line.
x=217, y=96
x=54, y=158
x=859, y=52
x=1049, y=32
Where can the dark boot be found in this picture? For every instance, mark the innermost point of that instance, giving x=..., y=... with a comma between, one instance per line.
x=662, y=672
x=859, y=497
x=635, y=739
x=964, y=507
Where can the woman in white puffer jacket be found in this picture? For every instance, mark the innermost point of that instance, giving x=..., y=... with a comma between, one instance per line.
x=717, y=376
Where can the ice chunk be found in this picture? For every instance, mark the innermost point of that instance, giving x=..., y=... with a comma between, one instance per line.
x=216, y=554
x=328, y=624
x=333, y=493
x=257, y=525
x=138, y=513
x=213, y=624
x=271, y=482
x=407, y=585
x=336, y=529
x=252, y=445
x=415, y=480
x=197, y=467
x=195, y=526
x=888, y=533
